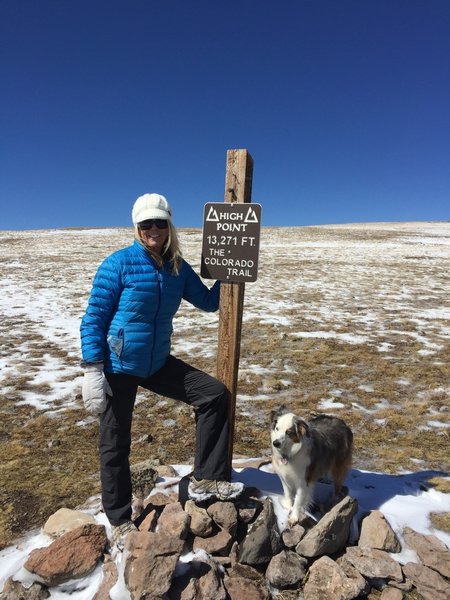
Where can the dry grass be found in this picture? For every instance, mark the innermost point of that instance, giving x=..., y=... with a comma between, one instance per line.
x=40, y=478
x=441, y=521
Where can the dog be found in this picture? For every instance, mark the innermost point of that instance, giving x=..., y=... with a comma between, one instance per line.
x=303, y=451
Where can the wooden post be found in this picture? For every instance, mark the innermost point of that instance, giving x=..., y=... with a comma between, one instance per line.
x=238, y=188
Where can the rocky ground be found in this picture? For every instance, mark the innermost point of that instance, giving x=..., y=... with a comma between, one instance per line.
x=230, y=551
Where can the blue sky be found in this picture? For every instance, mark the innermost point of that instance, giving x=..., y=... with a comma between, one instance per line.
x=344, y=106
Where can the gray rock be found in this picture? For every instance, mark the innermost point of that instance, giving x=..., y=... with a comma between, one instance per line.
x=353, y=574
x=92, y=505
x=292, y=536
x=143, y=478
x=166, y=471
x=247, y=515
x=306, y=521
x=374, y=564
x=377, y=533
x=248, y=507
x=286, y=569
x=54, y=443
x=206, y=584
x=331, y=532
x=390, y=593
x=14, y=590
x=429, y=584
x=64, y=520
x=327, y=580
x=431, y=551
x=263, y=538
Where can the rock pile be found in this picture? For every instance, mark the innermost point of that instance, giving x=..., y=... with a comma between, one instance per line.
x=234, y=551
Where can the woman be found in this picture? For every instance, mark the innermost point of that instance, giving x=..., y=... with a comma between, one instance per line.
x=125, y=339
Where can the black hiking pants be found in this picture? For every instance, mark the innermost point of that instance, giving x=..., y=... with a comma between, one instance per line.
x=176, y=380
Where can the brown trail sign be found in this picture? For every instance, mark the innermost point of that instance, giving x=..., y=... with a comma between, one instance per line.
x=238, y=190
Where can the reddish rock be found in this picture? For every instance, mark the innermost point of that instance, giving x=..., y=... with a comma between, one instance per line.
x=240, y=588
x=158, y=499
x=224, y=515
x=201, y=523
x=149, y=521
x=245, y=572
x=174, y=521
x=216, y=544
x=74, y=554
x=150, y=564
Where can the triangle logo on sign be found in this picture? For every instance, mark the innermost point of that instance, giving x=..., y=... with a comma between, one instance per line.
x=212, y=214
x=251, y=216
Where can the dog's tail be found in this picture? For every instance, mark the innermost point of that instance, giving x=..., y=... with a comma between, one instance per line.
x=342, y=466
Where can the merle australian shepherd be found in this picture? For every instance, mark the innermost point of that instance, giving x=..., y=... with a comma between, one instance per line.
x=303, y=451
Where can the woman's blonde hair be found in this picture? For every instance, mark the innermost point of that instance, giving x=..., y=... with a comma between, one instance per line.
x=171, y=252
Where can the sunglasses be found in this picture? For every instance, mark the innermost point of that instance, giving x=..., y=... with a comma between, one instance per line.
x=160, y=224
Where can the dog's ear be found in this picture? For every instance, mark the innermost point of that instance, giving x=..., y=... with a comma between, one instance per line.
x=302, y=427
x=275, y=414
x=273, y=418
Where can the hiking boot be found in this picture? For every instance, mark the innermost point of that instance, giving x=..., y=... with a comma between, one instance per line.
x=120, y=532
x=206, y=489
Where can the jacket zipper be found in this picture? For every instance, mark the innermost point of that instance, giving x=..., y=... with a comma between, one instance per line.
x=158, y=274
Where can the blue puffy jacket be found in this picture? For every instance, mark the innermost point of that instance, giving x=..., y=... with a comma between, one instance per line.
x=128, y=321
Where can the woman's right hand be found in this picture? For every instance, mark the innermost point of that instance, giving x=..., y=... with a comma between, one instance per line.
x=95, y=388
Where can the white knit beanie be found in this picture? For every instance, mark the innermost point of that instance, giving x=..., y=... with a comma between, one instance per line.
x=150, y=206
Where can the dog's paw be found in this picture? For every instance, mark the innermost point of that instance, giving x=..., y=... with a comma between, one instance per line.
x=293, y=520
